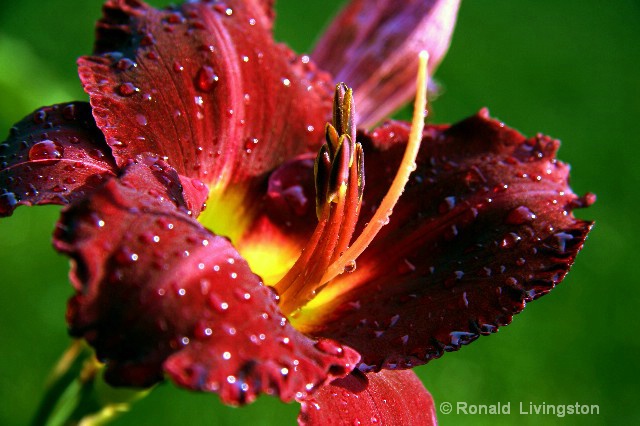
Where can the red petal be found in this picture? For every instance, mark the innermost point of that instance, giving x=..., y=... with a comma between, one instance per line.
x=53, y=156
x=373, y=47
x=289, y=204
x=206, y=86
x=385, y=398
x=157, y=292
x=484, y=226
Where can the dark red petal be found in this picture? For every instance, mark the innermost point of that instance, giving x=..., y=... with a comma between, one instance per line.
x=53, y=156
x=385, y=398
x=290, y=200
x=484, y=226
x=204, y=85
x=157, y=292
x=373, y=47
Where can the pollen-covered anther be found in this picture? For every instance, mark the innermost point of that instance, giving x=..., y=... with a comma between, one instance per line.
x=339, y=181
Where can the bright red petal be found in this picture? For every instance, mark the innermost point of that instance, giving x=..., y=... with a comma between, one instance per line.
x=204, y=85
x=385, y=398
x=156, y=292
x=373, y=47
x=484, y=226
x=53, y=156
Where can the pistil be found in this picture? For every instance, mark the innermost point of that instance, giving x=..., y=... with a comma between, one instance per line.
x=339, y=180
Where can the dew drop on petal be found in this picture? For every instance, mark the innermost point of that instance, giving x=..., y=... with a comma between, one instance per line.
x=8, y=198
x=125, y=64
x=510, y=240
x=69, y=112
x=141, y=119
x=39, y=116
x=519, y=216
x=127, y=89
x=206, y=78
x=329, y=347
x=46, y=150
x=177, y=66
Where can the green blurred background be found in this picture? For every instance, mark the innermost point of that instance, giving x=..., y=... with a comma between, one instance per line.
x=566, y=68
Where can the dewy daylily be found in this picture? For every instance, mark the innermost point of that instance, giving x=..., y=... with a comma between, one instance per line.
x=300, y=278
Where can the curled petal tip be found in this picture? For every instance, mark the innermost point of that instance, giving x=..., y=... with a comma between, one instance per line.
x=373, y=46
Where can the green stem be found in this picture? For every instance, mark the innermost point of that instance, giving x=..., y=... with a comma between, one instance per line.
x=76, y=394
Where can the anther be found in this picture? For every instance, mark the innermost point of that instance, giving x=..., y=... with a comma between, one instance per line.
x=381, y=216
x=339, y=181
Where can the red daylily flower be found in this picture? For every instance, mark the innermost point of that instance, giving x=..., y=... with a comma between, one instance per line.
x=197, y=105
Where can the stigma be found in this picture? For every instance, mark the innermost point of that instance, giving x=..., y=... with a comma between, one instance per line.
x=339, y=181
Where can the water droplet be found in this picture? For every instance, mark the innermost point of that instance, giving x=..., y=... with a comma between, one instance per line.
x=250, y=144
x=8, y=198
x=451, y=281
x=462, y=337
x=450, y=233
x=141, y=119
x=286, y=82
x=124, y=256
x=46, y=150
x=465, y=299
x=447, y=205
x=177, y=66
x=562, y=238
x=520, y=215
x=350, y=266
x=39, y=116
x=127, y=89
x=96, y=153
x=510, y=240
x=125, y=64
x=406, y=267
x=206, y=78
x=174, y=18
x=69, y=112
x=512, y=282
x=330, y=347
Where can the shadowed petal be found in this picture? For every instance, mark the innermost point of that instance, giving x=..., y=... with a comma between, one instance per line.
x=156, y=292
x=204, y=85
x=53, y=156
x=484, y=226
x=385, y=398
x=373, y=47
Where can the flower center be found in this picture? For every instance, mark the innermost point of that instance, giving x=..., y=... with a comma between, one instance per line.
x=339, y=181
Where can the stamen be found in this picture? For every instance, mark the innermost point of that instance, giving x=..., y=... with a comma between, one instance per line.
x=408, y=165
x=339, y=181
